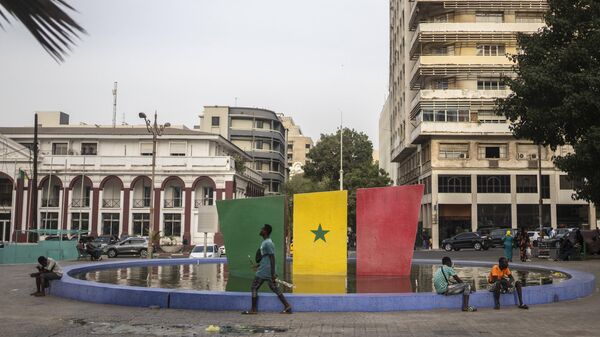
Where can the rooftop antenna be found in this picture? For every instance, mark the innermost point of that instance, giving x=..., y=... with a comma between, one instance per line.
x=115, y=106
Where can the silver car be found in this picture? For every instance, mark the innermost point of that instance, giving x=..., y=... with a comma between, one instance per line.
x=129, y=246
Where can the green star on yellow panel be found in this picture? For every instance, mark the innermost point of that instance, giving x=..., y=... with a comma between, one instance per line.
x=320, y=233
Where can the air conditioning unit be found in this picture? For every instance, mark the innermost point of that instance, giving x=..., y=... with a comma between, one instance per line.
x=521, y=155
x=533, y=156
x=462, y=156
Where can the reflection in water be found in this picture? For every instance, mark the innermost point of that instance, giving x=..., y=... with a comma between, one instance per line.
x=214, y=277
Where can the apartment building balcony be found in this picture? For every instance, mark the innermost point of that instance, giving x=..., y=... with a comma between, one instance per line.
x=449, y=32
x=136, y=163
x=422, y=9
x=429, y=98
x=427, y=129
x=111, y=203
x=459, y=67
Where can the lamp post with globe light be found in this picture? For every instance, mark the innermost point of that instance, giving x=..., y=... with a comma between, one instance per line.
x=156, y=131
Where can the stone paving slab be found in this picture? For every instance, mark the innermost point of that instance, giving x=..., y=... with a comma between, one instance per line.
x=23, y=315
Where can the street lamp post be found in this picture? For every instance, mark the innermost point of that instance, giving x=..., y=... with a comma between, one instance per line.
x=155, y=130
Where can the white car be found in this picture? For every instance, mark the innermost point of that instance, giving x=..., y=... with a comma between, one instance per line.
x=198, y=251
x=534, y=235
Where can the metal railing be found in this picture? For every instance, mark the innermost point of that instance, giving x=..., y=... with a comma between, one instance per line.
x=85, y=202
x=172, y=203
x=111, y=203
x=52, y=202
x=203, y=202
x=141, y=203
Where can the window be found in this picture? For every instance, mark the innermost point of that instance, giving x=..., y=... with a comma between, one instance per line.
x=146, y=197
x=526, y=184
x=141, y=224
x=206, y=198
x=172, y=224
x=215, y=121
x=176, y=197
x=439, y=50
x=178, y=149
x=527, y=216
x=290, y=147
x=493, y=184
x=259, y=124
x=454, y=184
x=89, y=149
x=492, y=151
x=110, y=224
x=493, y=216
x=49, y=220
x=307, y=146
x=545, y=186
x=489, y=17
x=258, y=144
x=454, y=151
x=490, y=50
x=526, y=17
x=60, y=149
x=289, y=157
x=445, y=115
x=489, y=116
x=146, y=149
x=275, y=167
x=442, y=84
x=80, y=221
x=490, y=84
x=567, y=184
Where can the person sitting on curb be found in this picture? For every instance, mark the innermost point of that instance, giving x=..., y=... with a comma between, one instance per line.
x=503, y=282
x=48, y=270
x=441, y=282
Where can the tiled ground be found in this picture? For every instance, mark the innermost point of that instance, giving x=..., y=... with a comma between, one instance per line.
x=23, y=315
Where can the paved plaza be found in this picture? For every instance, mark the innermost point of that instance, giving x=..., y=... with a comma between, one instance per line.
x=24, y=315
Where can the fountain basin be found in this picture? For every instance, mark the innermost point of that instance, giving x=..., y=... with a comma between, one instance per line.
x=580, y=284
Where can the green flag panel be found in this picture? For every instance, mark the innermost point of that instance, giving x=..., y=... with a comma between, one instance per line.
x=241, y=221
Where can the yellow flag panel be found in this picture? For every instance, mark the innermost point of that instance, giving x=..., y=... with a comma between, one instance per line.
x=320, y=233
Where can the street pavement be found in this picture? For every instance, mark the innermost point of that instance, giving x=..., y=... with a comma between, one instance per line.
x=24, y=315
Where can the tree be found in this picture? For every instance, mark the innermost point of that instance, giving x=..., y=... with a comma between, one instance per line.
x=359, y=169
x=46, y=20
x=556, y=91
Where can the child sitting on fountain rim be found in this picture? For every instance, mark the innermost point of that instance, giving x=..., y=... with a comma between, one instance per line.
x=441, y=282
x=503, y=282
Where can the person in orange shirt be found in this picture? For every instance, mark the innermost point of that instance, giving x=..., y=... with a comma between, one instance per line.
x=503, y=282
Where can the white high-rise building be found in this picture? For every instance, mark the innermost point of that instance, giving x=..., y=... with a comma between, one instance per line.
x=447, y=61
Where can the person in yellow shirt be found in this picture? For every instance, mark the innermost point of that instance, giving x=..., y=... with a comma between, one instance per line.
x=503, y=282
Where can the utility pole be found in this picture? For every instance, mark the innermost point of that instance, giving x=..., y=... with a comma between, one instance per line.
x=33, y=192
x=541, y=200
x=155, y=130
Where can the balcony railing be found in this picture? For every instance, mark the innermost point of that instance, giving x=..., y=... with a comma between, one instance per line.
x=111, y=203
x=52, y=202
x=200, y=203
x=172, y=203
x=141, y=203
x=85, y=202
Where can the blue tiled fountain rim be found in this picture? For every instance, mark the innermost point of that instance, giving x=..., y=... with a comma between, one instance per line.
x=580, y=284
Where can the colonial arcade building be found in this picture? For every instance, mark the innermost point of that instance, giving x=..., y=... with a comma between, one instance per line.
x=99, y=178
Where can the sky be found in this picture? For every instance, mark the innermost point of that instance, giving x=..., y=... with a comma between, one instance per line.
x=312, y=60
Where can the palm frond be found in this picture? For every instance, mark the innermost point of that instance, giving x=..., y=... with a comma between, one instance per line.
x=47, y=21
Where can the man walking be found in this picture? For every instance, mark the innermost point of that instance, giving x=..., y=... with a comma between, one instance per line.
x=266, y=273
x=441, y=282
x=48, y=270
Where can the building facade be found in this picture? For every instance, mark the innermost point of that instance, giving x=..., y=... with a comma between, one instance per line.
x=385, y=134
x=447, y=61
x=258, y=132
x=99, y=178
x=298, y=145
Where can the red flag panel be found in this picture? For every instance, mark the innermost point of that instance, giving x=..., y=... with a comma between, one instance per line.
x=386, y=226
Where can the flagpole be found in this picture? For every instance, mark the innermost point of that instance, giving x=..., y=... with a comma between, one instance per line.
x=341, y=151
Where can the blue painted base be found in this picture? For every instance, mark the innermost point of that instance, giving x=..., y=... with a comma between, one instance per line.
x=579, y=285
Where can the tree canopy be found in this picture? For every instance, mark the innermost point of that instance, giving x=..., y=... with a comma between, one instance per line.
x=556, y=91
x=360, y=171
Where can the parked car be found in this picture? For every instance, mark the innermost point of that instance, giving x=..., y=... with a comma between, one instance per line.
x=467, y=240
x=129, y=246
x=104, y=240
x=498, y=234
x=198, y=251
